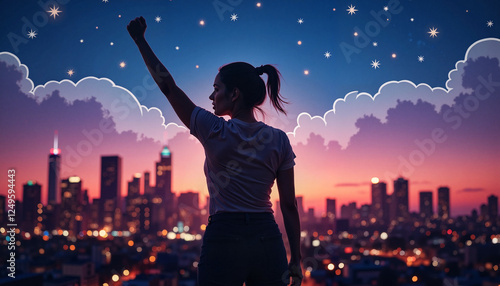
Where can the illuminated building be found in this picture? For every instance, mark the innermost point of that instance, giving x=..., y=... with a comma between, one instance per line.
x=444, y=203
x=400, y=200
x=70, y=217
x=147, y=186
x=492, y=207
x=54, y=190
x=189, y=210
x=379, y=208
x=426, y=205
x=111, y=167
x=133, y=203
x=31, y=199
x=164, y=173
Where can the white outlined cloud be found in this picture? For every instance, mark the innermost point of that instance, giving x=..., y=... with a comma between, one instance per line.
x=117, y=102
x=338, y=123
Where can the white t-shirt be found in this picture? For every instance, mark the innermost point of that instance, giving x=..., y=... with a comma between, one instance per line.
x=242, y=160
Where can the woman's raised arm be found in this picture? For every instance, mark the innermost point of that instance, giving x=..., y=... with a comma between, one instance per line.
x=182, y=105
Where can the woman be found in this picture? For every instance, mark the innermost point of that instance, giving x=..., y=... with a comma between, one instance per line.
x=242, y=242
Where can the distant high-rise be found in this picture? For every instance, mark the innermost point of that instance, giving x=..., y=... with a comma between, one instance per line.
x=31, y=199
x=147, y=186
x=71, y=205
x=2, y=210
x=54, y=190
x=400, y=199
x=444, y=202
x=331, y=210
x=426, y=210
x=111, y=167
x=189, y=210
x=379, y=208
x=492, y=207
x=134, y=186
x=110, y=200
x=164, y=173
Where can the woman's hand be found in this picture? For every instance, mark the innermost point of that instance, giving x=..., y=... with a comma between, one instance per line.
x=295, y=273
x=136, y=28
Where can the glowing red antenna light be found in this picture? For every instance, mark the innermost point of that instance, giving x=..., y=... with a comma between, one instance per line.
x=55, y=150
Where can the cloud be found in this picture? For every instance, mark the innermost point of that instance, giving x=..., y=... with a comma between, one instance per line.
x=117, y=102
x=339, y=123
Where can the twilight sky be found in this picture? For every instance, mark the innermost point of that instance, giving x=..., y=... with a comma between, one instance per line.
x=373, y=91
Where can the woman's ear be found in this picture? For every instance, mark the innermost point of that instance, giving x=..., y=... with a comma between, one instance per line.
x=235, y=94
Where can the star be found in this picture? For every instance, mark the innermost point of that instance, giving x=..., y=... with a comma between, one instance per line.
x=328, y=54
x=420, y=58
x=433, y=32
x=375, y=64
x=412, y=19
x=71, y=72
x=202, y=22
x=352, y=10
x=122, y=64
x=306, y=72
x=105, y=1
x=177, y=47
x=234, y=17
x=300, y=21
x=81, y=40
x=54, y=11
x=375, y=44
x=489, y=23
x=386, y=8
x=32, y=34
x=158, y=19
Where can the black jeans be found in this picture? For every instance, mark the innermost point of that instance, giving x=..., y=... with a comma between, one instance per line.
x=242, y=247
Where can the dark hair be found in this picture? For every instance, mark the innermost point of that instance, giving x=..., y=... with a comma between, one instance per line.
x=247, y=79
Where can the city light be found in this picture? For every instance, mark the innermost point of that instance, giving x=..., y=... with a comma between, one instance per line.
x=375, y=180
x=331, y=266
x=126, y=272
x=115, y=278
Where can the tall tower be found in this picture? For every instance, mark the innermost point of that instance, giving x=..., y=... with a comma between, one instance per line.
x=71, y=205
x=31, y=198
x=54, y=190
x=426, y=210
x=164, y=173
x=400, y=199
x=379, y=209
x=331, y=210
x=444, y=203
x=492, y=207
x=111, y=169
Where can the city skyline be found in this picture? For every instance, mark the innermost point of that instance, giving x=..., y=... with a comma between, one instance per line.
x=427, y=111
x=383, y=204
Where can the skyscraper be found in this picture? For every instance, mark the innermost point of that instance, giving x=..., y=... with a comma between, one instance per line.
x=111, y=167
x=54, y=190
x=31, y=198
x=379, y=208
x=426, y=210
x=147, y=186
x=133, y=204
x=400, y=199
x=444, y=203
x=189, y=210
x=331, y=210
x=71, y=205
x=164, y=173
x=492, y=207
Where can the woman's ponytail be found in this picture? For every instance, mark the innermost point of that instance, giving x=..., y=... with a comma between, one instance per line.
x=273, y=86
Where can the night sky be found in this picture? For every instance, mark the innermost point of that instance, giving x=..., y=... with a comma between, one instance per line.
x=328, y=50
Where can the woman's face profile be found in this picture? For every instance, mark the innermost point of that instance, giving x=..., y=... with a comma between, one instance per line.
x=221, y=100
